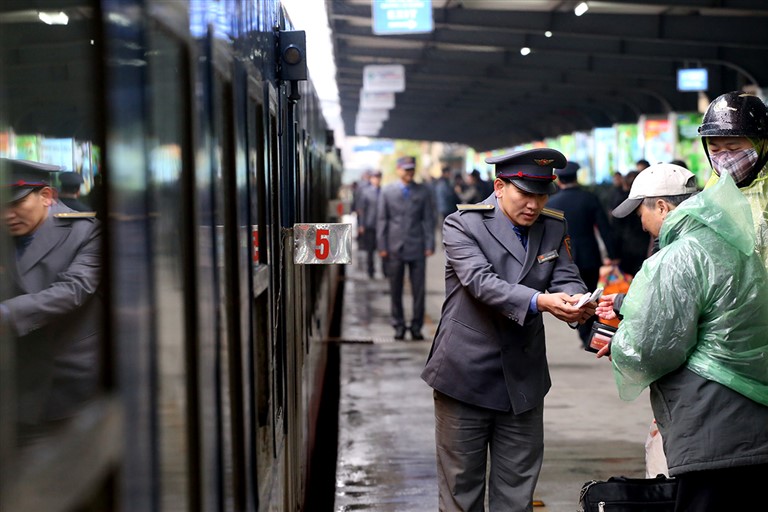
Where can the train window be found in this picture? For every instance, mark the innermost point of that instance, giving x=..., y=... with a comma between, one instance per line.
x=169, y=175
x=274, y=235
x=230, y=239
x=54, y=412
x=260, y=329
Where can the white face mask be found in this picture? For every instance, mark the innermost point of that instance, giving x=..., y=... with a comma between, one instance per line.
x=739, y=164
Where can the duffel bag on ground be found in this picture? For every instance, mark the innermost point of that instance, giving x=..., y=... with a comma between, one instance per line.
x=621, y=494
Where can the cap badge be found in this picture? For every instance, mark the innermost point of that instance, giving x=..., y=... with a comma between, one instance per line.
x=543, y=161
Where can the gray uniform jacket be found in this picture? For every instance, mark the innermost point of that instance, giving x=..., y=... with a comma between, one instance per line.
x=368, y=207
x=55, y=312
x=405, y=227
x=488, y=350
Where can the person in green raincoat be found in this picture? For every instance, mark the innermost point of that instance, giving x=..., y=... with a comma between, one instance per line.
x=694, y=330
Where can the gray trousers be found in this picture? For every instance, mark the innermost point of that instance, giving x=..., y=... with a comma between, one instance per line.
x=417, y=273
x=465, y=434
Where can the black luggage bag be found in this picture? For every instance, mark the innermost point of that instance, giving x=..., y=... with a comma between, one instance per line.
x=621, y=494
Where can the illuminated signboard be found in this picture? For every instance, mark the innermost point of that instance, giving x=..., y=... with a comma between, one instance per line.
x=695, y=79
x=401, y=16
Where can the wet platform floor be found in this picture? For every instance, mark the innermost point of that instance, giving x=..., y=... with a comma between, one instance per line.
x=386, y=453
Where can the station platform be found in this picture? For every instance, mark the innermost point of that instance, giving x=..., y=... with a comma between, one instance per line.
x=386, y=451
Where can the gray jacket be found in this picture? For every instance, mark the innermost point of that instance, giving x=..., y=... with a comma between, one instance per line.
x=55, y=312
x=705, y=425
x=405, y=226
x=488, y=350
x=368, y=203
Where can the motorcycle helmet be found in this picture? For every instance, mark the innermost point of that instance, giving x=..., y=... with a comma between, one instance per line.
x=737, y=114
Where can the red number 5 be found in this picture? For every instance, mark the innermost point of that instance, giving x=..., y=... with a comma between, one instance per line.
x=322, y=243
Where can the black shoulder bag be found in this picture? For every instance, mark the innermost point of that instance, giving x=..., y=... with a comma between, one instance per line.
x=621, y=494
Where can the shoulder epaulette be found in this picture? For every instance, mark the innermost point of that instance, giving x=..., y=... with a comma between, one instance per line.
x=75, y=215
x=474, y=207
x=555, y=214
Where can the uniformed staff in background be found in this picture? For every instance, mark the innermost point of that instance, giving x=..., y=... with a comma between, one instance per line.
x=367, y=210
x=69, y=191
x=507, y=262
x=50, y=303
x=584, y=213
x=405, y=236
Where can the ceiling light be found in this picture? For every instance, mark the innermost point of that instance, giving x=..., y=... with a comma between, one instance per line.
x=581, y=9
x=525, y=50
x=548, y=34
x=53, y=18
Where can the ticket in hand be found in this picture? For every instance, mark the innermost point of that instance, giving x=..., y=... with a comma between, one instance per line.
x=589, y=298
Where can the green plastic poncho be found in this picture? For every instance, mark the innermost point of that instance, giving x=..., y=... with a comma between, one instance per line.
x=702, y=301
x=757, y=196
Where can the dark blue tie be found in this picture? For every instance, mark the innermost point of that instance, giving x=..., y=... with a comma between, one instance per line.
x=22, y=242
x=406, y=192
x=522, y=235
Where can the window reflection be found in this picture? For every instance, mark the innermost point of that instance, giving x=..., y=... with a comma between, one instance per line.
x=51, y=266
x=166, y=70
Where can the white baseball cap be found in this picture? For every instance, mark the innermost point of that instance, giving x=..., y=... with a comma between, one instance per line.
x=658, y=180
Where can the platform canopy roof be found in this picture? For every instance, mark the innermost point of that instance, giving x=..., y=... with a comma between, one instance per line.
x=467, y=81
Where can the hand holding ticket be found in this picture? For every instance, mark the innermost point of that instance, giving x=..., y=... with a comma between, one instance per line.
x=587, y=298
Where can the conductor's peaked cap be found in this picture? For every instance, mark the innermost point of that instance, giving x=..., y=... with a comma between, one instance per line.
x=406, y=162
x=24, y=176
x=532, y=171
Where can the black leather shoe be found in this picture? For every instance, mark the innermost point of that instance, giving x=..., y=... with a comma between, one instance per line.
x=416, y=335
x=399, y=333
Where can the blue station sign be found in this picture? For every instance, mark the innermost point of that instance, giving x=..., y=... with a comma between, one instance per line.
x=401, y=16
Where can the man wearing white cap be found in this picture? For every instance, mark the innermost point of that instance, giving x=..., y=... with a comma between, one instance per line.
x=693, y=330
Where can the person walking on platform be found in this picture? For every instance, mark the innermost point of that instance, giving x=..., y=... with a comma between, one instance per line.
x=368, y=208
x=50, y=303
x=584, y=212
x=508, y=261
x=694, y=330
x=405, y=236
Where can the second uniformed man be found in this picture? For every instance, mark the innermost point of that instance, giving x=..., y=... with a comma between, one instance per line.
x=405, y=235
x=507, y=262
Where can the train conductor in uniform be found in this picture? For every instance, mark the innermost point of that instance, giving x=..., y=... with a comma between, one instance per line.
x=405, y=236
x=49, y=302
x=508, y=262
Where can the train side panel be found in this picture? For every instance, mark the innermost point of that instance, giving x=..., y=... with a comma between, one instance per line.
x=215, y=352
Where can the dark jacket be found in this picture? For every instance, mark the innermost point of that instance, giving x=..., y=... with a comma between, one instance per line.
x=584, y=212
x=446, y=197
